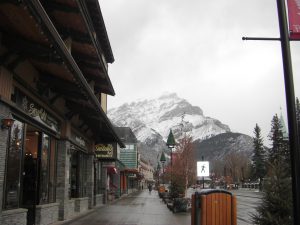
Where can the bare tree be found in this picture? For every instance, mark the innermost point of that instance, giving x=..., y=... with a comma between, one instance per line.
x=184, y=164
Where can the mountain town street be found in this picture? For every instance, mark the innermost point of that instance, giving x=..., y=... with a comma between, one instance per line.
x=143, y=208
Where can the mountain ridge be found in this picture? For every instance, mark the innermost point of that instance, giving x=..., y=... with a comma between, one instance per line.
x=152, y=119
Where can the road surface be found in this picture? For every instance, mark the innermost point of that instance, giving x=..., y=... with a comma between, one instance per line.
x=143, y=208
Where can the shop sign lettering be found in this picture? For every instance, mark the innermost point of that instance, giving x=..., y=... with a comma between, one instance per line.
x=80, y=141
x=104, y=151
x=38, y=113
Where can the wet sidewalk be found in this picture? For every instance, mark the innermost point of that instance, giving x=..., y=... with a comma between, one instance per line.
x=141, y=208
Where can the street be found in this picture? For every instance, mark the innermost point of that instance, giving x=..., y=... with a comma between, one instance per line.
x=142, y=208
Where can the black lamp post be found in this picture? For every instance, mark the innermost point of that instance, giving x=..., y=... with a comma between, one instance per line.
x=163, y=160
x=171, y=144
x=157, y=173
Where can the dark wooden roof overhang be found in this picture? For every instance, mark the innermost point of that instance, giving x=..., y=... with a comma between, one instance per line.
x=98, y=22
x=73, y=19
x=27, y=31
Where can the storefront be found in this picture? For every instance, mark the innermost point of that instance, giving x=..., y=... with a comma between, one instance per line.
x=30, y=171
x=54, y=86
x=110, y=169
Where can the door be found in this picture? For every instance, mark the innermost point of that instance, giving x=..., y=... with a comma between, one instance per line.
x=30, y=173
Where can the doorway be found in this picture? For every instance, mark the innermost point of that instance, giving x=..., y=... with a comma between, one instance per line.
x=30, y=172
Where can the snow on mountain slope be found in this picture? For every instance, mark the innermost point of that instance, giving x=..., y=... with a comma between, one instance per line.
x=154, y=118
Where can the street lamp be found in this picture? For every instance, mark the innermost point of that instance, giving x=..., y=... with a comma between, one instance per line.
x=163, y=160
x=157, y=173
x=171, y=144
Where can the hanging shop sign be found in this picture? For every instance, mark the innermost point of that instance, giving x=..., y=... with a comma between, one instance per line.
x=36, y=111
x=105, y=151
x=294, y=18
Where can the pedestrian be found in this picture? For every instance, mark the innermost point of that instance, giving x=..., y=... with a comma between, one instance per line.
x=150, y=188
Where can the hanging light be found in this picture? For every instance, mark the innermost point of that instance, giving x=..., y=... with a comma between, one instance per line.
x=7, y=122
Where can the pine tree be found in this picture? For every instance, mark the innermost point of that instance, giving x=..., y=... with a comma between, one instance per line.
x=298, y=110
x=276, y=137
x=258, y=170
x=276, y=206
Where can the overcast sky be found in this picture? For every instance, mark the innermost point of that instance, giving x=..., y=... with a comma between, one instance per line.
x=195, y=48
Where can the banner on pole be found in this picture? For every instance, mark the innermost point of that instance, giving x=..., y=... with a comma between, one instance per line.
x=294, y=18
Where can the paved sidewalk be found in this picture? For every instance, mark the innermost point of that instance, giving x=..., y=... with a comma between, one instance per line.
x=140, y=208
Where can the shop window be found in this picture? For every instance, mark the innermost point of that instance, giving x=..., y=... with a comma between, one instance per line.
x=98, y=178
x=13, y=166
x=78, y=178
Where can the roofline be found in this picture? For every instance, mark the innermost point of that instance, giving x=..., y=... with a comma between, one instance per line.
x=90, y=27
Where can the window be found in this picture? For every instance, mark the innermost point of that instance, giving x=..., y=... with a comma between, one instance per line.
x=98, y=178
x=14, y=156
x=78, y=178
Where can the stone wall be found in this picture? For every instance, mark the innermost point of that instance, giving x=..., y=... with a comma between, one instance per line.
x=4, y=110
x=71, y=208
x=81, y=204
x=99, y=200
x=14, y=217
x=63, y=174
x=46, y=214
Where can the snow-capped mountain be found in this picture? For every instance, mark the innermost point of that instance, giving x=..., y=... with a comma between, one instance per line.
x=152, y=119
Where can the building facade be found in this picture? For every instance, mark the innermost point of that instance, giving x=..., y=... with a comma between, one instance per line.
x=53, y=86
x=146, y=168
x=129, y=156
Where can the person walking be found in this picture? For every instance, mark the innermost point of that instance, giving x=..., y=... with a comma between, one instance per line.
x=150, y=188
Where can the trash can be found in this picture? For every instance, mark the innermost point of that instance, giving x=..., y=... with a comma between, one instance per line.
x=213, y=207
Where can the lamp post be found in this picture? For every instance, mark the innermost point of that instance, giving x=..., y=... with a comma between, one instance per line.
x=157, y=173
x=163, y=160
x=171, y=144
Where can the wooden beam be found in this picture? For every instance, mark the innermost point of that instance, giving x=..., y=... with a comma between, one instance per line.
x=89, y=65
x=53, y=99
x=62, y=86
x=17, y=61
x=76, y=35
x=79, y=56
x=30, y=49
x=51, y=5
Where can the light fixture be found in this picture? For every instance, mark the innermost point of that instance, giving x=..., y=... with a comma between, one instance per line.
x=7, y=122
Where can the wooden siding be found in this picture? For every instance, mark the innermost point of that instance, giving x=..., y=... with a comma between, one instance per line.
x=6, y=80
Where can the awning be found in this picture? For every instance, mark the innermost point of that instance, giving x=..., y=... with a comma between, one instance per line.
x=131, y=171
x=112, y=170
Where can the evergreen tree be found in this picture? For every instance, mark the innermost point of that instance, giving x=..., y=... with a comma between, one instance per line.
x=276, y=137
x=276, y=206
x=298, y=110
x=258, y=170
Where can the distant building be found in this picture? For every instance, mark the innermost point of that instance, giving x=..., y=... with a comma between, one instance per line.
x=129, y=156
x=147, y=170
